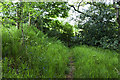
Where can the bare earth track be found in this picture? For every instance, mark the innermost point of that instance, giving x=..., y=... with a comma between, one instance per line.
x=72, y=68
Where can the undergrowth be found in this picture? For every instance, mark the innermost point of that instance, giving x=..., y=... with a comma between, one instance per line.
x=93, y=62
x=36, y=57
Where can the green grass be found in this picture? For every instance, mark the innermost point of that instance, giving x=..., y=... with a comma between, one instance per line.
x=39, y=57
x=43, y=57
x=93, y=62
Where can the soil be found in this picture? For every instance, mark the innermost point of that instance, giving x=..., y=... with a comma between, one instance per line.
x=72, y=68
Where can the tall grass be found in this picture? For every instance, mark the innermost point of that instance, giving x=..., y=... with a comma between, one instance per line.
x=39, y=57
x=95, y=63
x=43, y=57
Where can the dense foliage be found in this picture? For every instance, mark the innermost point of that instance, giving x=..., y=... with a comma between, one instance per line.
x=37, y=45
x=101, y=28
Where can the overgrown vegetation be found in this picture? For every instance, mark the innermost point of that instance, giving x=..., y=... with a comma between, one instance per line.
x=101, y=29
x=93, y=62
x=39, y=57
x=34, y=45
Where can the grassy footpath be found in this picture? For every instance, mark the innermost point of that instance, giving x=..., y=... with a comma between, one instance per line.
x=93, y=62
x=71, y=67
x=43, y=57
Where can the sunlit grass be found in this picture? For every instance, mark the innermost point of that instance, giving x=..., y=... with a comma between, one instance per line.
x=93, y=62
x=43, y=57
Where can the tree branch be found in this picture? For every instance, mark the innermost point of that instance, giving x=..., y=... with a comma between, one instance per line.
x=79, y=4
x=80, y=11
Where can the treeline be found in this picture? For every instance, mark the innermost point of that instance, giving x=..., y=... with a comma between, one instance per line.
x=100, y=28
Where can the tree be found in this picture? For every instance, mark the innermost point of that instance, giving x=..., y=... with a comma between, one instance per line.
x=98, y=23
x=38, y=14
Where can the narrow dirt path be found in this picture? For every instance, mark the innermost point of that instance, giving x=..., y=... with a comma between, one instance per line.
x=72, y=68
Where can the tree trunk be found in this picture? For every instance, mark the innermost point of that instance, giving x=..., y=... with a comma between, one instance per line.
x=17, y=19
x=29, y=20
x=21, y=11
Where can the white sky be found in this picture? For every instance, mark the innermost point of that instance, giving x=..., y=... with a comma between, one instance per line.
x=73, y=13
